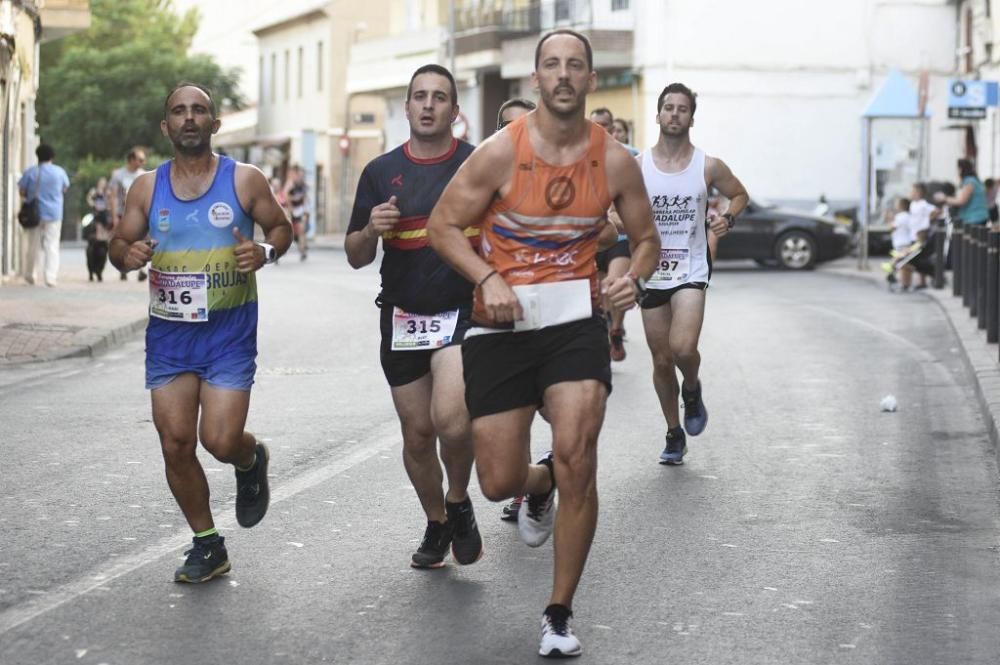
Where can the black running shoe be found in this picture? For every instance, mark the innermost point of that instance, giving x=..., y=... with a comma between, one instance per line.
x=205, y=560
x=252, y=492
x=466, y=543
x=676, y=447
x=695, y=413
x=510, y=511
x=434, y=547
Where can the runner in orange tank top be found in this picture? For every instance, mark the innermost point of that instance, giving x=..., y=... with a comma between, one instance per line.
x=539, y=337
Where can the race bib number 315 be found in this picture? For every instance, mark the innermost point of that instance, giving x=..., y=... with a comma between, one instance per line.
x=422, y=332
x=178, y=296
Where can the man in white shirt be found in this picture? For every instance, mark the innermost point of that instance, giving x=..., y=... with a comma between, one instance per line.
x=922, y=213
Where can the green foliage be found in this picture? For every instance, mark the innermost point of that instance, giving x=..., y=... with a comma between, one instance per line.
x=102, y=91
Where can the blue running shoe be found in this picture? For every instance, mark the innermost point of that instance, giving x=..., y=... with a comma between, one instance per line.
x=676, y=447
x=695, y=413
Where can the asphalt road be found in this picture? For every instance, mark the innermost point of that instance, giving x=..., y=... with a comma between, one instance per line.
x=806, y=527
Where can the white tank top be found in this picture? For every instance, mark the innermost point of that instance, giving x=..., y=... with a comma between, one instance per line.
x=679, y=202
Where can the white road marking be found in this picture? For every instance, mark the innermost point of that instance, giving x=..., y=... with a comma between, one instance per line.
x=383, y=438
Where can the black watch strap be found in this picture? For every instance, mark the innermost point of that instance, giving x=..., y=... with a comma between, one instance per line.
x=730, y=218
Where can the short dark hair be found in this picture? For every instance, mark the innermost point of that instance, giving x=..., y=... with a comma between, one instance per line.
x=679, y=88
x=189, y=84
x=571, y=33
x=45, y=153
x=920, y=187
x=516, y=102
x=603, y=110
x=966, y=168
x=440, y=71
x=903, y=203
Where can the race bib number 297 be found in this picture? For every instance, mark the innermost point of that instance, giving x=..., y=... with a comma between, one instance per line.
x=178, y=296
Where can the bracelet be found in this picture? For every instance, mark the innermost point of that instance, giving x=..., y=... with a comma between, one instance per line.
x=483, y=280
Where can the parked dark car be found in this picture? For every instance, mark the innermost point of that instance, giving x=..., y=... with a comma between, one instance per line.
x=788, y=238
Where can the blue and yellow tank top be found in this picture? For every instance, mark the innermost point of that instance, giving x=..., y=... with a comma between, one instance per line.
x=194, y=247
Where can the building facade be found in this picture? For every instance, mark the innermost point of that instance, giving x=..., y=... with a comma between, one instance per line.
x=24, y=26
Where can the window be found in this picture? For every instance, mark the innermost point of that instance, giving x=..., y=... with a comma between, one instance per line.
x=288, y=71
x=619, y=5
x=274, y=77
x=319, y=66
x=260, y=79
x=298, y=73
x=562, y=10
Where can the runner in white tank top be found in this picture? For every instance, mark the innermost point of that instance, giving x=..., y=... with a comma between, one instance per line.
x=679, y=203
x=678, y=178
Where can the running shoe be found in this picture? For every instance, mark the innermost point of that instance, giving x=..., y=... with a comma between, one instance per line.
x=558, y=640
x=434, y=547
x=695, y=413
x=537, y=515
x=676, y=447
x=617, y=336
x=206, y=559
x=510, y=511
x=466, y=543
x=252, y=492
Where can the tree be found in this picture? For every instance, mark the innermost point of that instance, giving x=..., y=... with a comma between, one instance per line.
x=102, y=91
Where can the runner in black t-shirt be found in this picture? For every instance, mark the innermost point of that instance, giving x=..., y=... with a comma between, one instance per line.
x=425, y=312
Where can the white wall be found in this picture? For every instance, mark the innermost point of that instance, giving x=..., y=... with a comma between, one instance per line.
x=782, y=84
x=290, y=114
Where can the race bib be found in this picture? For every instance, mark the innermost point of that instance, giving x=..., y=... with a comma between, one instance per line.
x=178, y=296
x=673, y=270
x=422, y=332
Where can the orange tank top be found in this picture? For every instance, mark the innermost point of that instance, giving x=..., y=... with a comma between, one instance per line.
x=546, y=228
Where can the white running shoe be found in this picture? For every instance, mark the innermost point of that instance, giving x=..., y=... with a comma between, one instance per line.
x=558, y=640
x=537, y=514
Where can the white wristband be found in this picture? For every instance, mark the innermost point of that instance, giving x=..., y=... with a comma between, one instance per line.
x=270, y=255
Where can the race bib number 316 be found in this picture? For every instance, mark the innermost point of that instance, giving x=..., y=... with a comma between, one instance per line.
x=178, y=296
x=422, y=332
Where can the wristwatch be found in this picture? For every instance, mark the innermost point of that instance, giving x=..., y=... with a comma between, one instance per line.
x=730, y=218
x=270, y=254
x=640, y=284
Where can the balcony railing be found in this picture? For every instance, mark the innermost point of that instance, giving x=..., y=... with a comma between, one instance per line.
x=513, y=17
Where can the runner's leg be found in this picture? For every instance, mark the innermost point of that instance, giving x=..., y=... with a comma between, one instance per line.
x=687, y=314
x=450, y=420
x=175, y=415
x=503, y=455
x=576, y=411
x=420, y=456
x=656, y=322
x=223, y=417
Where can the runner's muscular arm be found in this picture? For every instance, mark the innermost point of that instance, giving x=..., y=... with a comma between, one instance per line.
x=260, y=203
x=128, y=249
x=718, y=175
x=463, y=204
x=631, y=201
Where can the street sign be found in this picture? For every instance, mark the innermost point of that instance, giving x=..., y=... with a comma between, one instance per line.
x=969, y=99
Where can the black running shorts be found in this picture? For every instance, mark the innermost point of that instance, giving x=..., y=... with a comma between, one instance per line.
x=505, y=371
x=403, y=367
x=618, y=250
x=658, y=297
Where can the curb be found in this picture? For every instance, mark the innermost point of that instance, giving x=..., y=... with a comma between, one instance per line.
x=88, y=343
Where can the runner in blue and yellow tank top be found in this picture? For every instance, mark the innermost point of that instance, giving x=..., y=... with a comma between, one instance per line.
x=192, y=220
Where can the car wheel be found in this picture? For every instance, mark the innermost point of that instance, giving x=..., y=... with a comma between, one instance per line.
x=796, y=250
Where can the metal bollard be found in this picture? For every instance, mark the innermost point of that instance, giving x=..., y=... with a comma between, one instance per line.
x=940, y=260
x=982, y=255
x=993, y=287
x=955, y=251
x=969, y=270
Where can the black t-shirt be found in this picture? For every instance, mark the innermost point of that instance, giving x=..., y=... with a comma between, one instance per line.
x=413, y=276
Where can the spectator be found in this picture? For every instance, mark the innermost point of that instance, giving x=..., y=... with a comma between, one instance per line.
x=121, y=182
x=99, y=231
x=922, y=214
x=45, y=183
x=902, y=238
x=991, y=198
x=970, y=198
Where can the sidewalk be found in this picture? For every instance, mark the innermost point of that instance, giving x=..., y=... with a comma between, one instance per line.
x=78, y=318
x=981, y=358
